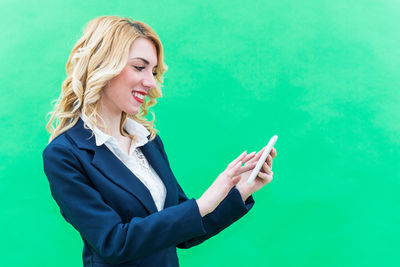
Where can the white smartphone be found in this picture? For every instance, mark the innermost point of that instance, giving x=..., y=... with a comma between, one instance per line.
x=262, y=159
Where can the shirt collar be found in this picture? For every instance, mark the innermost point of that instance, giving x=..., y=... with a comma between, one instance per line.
x=131, y=126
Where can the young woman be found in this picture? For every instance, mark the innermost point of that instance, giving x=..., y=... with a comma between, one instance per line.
x=107, y=167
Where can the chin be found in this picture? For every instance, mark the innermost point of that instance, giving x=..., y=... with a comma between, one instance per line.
x=132, y=111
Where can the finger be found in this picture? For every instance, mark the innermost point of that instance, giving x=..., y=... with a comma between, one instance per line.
x=252, y=160
x=267, y=178
x=269, y=161
x=242, y=169
x=247, y=167
x=233, y=171
x=235, y=180
x=259, y=153
x=273, y=152
x=249, y=157
x=257, y=156
x=266, y=168
x=233, y=163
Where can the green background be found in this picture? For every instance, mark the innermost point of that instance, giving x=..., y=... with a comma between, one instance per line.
x=323, y=75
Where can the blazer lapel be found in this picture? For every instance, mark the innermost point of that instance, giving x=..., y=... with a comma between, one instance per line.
x=158, y=163
x=111, y=167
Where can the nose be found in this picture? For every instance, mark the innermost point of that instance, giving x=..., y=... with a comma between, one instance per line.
x=149, y=81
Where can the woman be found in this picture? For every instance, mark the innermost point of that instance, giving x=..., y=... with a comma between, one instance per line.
x=107, y=167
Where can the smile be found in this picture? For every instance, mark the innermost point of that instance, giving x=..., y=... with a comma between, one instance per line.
x=139, y=96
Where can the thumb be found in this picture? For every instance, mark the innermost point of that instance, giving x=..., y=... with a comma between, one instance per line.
x=235, y=180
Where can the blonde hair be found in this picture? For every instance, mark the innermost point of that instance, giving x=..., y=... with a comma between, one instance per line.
x=98, y=56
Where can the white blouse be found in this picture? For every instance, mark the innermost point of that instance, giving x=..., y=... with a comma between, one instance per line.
x=136, y=162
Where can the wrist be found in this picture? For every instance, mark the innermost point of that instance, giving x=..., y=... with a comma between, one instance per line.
x=243, y=192
x=203, y=207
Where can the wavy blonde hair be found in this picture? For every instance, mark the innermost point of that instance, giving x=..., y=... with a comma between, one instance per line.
x=98, y=56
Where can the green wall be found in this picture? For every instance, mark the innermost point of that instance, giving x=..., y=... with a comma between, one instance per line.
x=323, y=75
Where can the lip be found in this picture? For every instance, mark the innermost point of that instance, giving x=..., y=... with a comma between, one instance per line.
x=138, y=99
x=140, y=92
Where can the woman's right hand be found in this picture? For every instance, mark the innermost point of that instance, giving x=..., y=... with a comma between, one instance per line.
x=220, y=188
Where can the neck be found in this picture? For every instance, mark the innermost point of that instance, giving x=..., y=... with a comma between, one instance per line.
x=112, y=120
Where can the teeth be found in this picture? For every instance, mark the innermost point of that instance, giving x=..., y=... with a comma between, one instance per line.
x=140, y=96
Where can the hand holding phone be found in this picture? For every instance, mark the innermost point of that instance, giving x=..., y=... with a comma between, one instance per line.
x=262, y=159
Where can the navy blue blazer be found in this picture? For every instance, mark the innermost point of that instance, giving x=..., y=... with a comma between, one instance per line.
x=115, y=213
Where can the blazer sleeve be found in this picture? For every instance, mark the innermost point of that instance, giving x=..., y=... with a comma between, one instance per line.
x=101, y=226
x=231, y=209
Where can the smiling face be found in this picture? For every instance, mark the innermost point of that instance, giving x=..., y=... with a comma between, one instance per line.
x=126, y=91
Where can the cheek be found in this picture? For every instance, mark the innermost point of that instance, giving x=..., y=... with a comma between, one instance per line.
x=109, y=92
x=115, y=91
x=128, y=77
x=118, y=87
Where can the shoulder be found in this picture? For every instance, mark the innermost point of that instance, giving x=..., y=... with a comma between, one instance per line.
x=160, y=146
x=62, y=155
x=75, y=138
x=59, y=147
x=62, y=144
x=60, y=140
x=158, y=142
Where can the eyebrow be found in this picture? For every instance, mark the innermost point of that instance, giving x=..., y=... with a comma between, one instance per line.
x=144, y=60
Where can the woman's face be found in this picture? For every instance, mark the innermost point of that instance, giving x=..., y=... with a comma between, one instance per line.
x=126, y=91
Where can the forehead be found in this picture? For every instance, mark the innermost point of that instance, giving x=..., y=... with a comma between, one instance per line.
x=143, y=48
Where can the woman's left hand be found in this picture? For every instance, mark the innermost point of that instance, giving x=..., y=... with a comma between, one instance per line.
x=264, y=176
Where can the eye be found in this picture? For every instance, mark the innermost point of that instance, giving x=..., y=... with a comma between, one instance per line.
x=139, y=68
